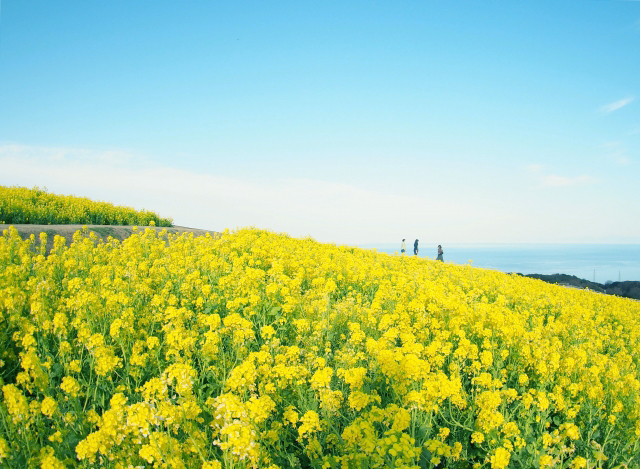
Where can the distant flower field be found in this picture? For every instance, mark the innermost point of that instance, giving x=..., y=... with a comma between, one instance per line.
x=19, y=205
x=260, y=350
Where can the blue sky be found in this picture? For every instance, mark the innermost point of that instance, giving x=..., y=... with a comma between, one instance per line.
x=352, y=122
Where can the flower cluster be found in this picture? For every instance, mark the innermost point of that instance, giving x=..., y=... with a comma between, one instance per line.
x=259, y=350
x=20, y=205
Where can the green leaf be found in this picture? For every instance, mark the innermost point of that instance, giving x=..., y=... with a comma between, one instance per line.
x=57, y=370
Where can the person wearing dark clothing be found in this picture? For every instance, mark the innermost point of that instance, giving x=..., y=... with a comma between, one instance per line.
x=403, y=247
x=415, y=247
x=440, y=253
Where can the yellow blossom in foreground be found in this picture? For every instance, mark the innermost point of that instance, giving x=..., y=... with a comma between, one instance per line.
x=49, y=406
x=255, y=349
x=310, y=424
x=500, y=459
x=48, y=460
x=579, y=463
x=212, y=465
x=70, y=386
x=16, y=402
x=4, y=449
x=546, y=461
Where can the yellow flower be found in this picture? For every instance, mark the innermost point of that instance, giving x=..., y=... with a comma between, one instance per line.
x=267, y=332
x=401, y=419
x=578, y=463
x=510, y=429
x=486, y=358
x=212, y=465
x=70, y=386
x=4, y=449
x=49, y=406
x=291, y=415
x=75, y=366
x=500, y=459
x=571, y=430
x=321, y=378
x=114, y=330
x=48, y=460
x=310, y=424
x=546, y=461
x=16, y=403
x=354, y=377
x=181, y=376
x=358, y=400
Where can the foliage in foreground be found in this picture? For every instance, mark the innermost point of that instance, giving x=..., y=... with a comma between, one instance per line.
x=19, y=205
x=258, y=350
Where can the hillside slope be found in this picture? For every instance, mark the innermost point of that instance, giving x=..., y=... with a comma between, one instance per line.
x=260, y=350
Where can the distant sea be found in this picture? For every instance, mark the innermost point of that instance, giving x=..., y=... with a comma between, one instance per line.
x=595, y=262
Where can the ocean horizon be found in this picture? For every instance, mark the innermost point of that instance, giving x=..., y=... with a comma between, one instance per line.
x=595, y=262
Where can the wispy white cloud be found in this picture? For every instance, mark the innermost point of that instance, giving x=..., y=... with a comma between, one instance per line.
x=534, y=168
x=554, y=180
x=607, y=108
x=77, y=155
x=617, y=152
x=326, y=210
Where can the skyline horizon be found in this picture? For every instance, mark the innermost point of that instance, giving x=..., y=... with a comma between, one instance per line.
x=371, y=243
x=599, y=263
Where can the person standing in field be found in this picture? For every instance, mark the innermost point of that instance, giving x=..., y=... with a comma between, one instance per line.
x=440, y=254
x=403, y=247
x=415, y=248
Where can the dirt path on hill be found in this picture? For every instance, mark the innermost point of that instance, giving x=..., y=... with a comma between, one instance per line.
x=103, y=231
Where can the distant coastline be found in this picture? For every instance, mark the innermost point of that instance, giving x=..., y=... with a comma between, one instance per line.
x=600, y=263
x=627, y=289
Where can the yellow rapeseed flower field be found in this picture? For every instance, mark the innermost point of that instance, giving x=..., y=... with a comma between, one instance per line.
x=257, y=350
x=19, y=205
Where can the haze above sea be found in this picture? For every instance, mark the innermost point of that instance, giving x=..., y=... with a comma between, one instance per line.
x=594, y=262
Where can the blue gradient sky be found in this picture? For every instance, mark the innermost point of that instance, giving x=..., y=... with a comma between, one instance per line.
x=352, y=122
